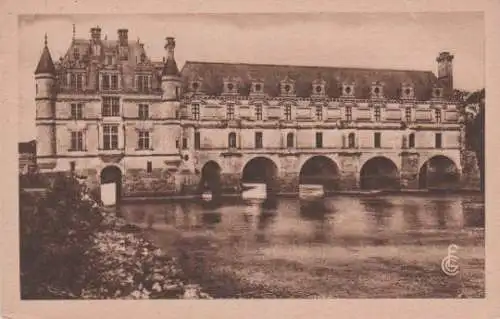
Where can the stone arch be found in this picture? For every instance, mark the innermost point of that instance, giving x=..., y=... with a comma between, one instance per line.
x=112, y=174
x=320, y=170
x=211, y=177
x=379, y=172
x=439, y=172
x=263, y=170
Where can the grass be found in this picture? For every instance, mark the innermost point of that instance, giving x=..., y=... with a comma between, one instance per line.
x=407, y=267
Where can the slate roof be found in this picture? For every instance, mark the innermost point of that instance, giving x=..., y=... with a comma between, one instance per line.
x=45, y=65
x=170, y=68
x=212, y=75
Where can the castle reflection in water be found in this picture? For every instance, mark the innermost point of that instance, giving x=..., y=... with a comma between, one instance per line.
x=339, y=218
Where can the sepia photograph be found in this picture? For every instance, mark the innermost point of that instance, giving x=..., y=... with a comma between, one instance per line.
x=251, y=155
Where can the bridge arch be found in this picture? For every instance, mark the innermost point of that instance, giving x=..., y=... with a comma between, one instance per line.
x=261, y=170
x=320, y=170
x=379, y=172
x=211, y=177
x=112, y=174
x=439, y=172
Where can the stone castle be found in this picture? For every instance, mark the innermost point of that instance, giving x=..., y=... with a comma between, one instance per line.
x=105, y=110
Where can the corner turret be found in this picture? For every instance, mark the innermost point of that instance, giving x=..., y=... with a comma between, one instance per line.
x=170, y=79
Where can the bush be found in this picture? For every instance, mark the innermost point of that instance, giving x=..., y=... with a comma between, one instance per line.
x=72, y=248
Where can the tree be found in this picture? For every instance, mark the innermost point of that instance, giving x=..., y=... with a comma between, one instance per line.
x=472, y=106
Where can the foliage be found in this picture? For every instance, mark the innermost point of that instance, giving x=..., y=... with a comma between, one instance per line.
x=73, y=248
x=473, y=111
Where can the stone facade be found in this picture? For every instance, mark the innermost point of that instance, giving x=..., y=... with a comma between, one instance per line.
x=106, y=104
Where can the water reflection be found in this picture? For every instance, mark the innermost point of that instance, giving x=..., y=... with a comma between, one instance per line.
x=336, y=220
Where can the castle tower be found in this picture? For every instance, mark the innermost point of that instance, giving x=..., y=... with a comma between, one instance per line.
x=45, y=79
x=170, y=80
x=445, y=72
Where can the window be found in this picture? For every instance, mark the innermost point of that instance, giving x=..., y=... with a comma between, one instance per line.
x=319, y=113
x=149, y=166
x=438, y=140
x=109, y=82
x=438, y=115
x=230, y=112
x=143, y=111
x=184, y=143
x=376, y=110
x=197, y=141
x=258, y=112
x=143, y=84
x=351, y=141
x=288, y=112
x=76, y=81
x=411, y=140
x=196, y=111
x=376, y=139
x=258, y=139
x=408, y=114
x=319, y=140
x=232, y=140
x=76, y=111
x=109, y=60
x=110, y=137
x=76, y=53
x=143, y=142
x=289, y=140
x=77, y=141
x=348, y=113
x=177, y=144
x=110, y=106
x=72, y=166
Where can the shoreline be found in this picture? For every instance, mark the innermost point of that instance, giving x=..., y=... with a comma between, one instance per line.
x=417, y=192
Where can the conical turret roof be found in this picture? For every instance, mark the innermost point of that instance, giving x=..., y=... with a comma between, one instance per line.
x=45, y=65
x=170, y=67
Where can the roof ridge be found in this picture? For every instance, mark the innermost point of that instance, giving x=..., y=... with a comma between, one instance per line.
x=305, y=66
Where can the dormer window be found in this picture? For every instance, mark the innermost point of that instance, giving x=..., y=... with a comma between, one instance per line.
x=195, y=85
x=257, y=87
x=287, y=87
x=143, y=57
x=318, y=87
x=143, y=83
x=437, y=92
x=407, y=91
x=348, y=90
x=377, y=91
x=109, y=82
x=230, y=86
x=76, y=53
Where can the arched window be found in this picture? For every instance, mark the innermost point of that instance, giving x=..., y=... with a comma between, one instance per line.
x=351, y=140
x=290, y=140
x=232, y=140
x=411, y=140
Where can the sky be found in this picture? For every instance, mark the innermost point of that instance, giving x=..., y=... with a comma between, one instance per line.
x=371, y=40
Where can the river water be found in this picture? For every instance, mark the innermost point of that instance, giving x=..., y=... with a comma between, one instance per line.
x=340, y=220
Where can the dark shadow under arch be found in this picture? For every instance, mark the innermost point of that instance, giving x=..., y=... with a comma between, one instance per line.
x=261, y=170
x=320, y=170
x=112, y=174
x=439, y=172
x=379, y=173
x=211, y=177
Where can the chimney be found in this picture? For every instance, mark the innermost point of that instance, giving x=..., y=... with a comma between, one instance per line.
x=445, y=71
x=95, y=33
x=123, y=37
x=170, y=46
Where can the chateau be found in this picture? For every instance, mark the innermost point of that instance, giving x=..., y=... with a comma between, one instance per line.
x=106, y=111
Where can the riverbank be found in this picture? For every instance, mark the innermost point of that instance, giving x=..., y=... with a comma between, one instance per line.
x=73, y=248
x=407, y=268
